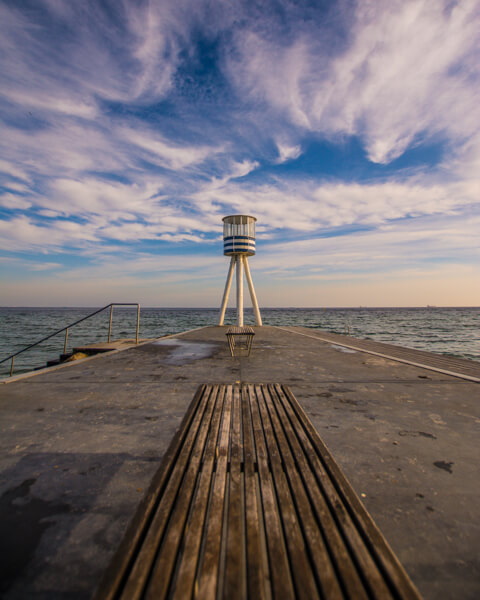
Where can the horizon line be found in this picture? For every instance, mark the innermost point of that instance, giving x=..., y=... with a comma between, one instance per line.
x=359, y=307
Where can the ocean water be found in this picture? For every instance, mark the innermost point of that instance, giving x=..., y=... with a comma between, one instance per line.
x=450, y=331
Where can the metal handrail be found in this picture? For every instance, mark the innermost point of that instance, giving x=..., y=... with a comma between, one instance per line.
x=111, y=305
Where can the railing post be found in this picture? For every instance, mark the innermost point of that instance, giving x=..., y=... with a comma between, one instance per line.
x=66, y=329
x=110, y=324
x=138, y=320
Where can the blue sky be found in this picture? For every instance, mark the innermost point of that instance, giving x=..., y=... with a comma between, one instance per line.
x=351, y=130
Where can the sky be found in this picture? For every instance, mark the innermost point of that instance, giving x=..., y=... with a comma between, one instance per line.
x=350, y=130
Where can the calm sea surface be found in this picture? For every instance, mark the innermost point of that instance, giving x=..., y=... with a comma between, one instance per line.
x=452, y=331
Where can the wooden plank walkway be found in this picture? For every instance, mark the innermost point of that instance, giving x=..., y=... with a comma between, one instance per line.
x=249, y=503
x=450, y=365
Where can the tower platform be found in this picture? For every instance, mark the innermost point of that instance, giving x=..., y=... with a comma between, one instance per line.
x=81, y=443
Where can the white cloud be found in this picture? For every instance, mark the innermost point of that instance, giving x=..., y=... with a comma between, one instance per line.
x=271, y=71
x=100, y=166
x=66, y=147
x=13, y=170
x=181, y=237
x=17, y=187
x=51, y=103
x=240, y=169
x=149, y=24
x=166, y=154
x=22, y=234
x=108, y=199
x=391, y=248
x=45, y=266
x=302, y=205
x=286, y=152
x=14, y=202
x=410, y=70
x=21, y=264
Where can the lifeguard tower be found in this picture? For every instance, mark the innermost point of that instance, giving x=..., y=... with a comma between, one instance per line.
x=239, y=244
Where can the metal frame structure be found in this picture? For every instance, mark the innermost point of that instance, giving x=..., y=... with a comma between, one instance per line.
x=240, y=339
x=66, y=329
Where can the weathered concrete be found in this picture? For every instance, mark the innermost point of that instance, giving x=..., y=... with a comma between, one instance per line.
x=80, y=444
x=108, y=346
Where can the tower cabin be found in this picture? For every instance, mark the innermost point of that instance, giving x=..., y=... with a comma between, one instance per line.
x=239, y=235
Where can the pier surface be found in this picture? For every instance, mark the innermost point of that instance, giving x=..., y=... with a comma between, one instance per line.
x=80, y=444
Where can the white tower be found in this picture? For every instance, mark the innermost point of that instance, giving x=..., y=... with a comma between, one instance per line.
x=239, y=243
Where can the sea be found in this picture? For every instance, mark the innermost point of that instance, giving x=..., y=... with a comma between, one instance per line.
x=449, y=331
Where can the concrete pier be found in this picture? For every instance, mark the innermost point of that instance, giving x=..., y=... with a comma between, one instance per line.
x=80, y=444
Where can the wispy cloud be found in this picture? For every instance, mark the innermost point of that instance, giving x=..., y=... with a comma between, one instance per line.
x=408, y=70
x=286, y=152
x=133, y=127
x=161, y=152
x=13, y=171
x=14, y=202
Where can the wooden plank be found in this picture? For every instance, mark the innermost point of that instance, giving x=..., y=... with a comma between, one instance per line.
x=355, y=519
x=342, y=559
x=371, y=576
x=234, y=579
x=209, y=567
x=303, y=578
x=140, y=571
x=115, y=575
x=321, y=563
x=258, y=581
x=185, y=579
x=279, y=566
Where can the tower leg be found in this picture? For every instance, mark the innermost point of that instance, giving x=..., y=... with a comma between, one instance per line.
x=239, y=291
x=226, y=292
x=256, y=310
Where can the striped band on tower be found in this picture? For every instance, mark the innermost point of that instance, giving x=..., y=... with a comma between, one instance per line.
x=239, y=244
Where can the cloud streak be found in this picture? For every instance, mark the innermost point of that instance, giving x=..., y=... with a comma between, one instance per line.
x=130, y=128
x=409, y=70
